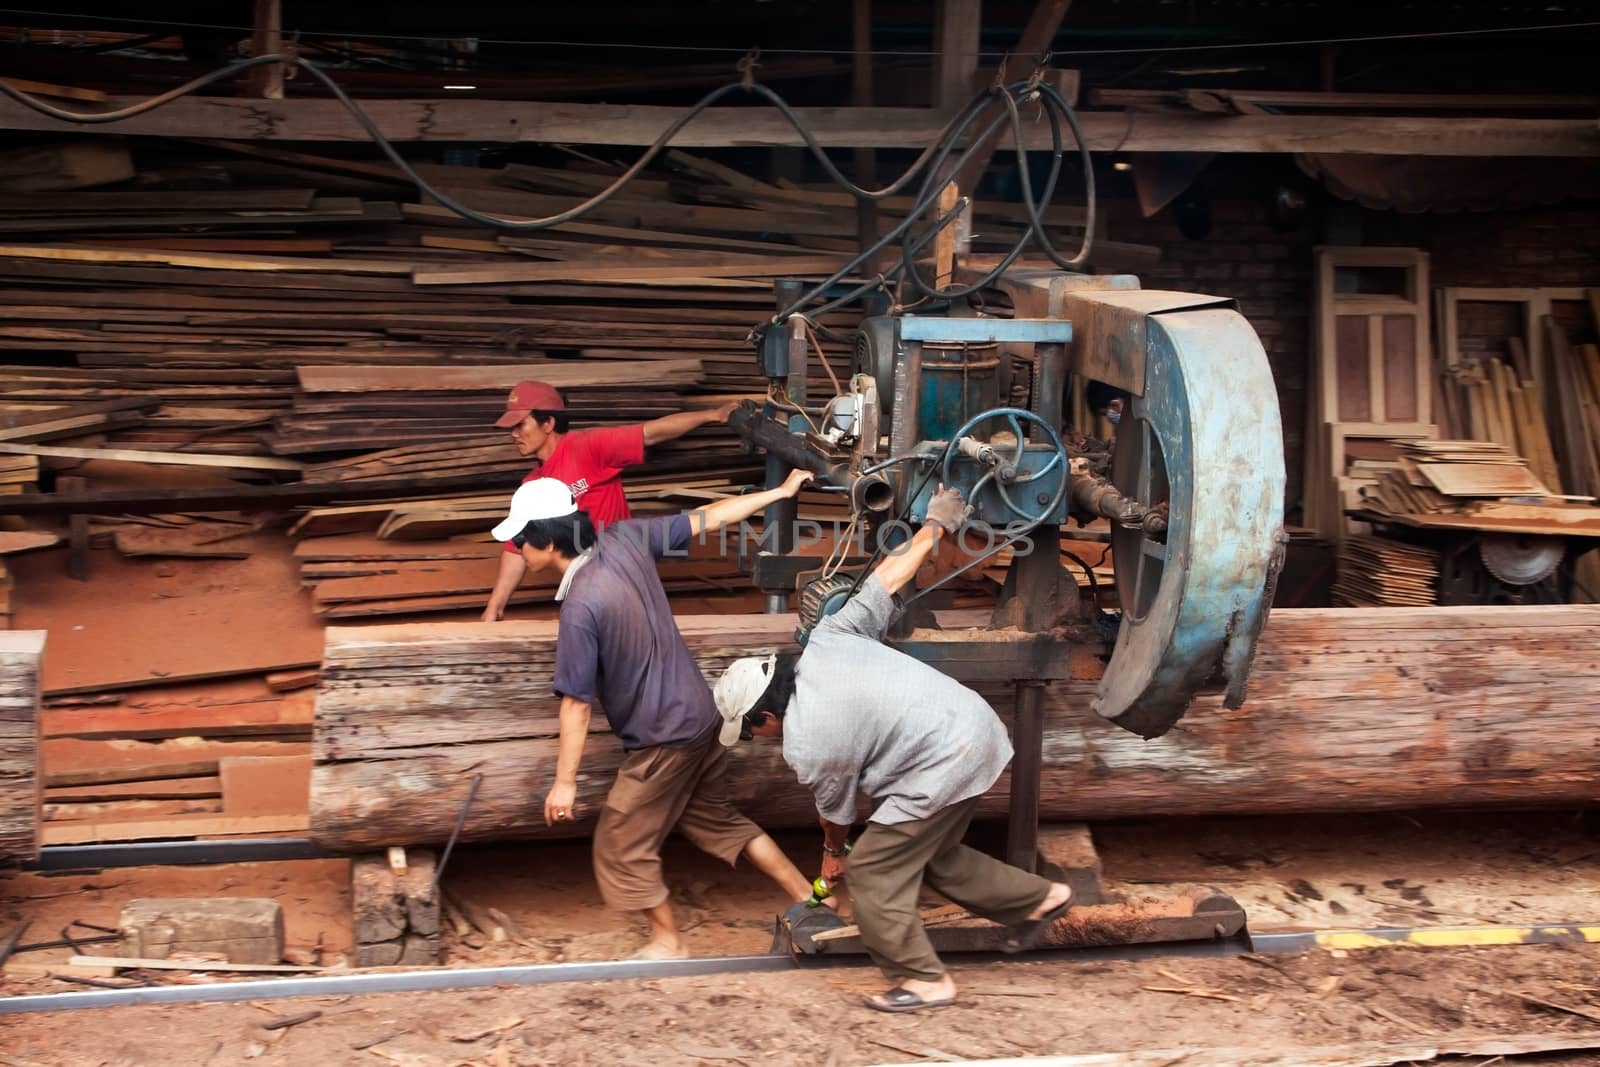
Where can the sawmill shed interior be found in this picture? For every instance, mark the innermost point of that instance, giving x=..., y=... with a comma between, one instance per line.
x=1302, y=686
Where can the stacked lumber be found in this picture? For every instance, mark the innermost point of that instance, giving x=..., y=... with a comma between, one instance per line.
x=296, y=307
x=1380, y=571
x=407, y=715
x=204, y=760
x=1487, y=400
x=21, y=653
x=1440, y=477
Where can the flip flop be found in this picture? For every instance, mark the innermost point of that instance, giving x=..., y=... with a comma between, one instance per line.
x=1026, y=934
x=901, y=999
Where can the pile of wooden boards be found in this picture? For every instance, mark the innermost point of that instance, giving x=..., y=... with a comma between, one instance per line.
x=21, y=654
x=1380, y=571
x=203, y=760
x=408, y=715
x=302, y=306
x=1441, y=477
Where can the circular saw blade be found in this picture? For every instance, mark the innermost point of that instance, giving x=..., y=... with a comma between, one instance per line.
x=1521, y=559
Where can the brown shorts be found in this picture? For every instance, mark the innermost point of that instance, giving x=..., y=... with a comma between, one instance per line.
x=659, y=790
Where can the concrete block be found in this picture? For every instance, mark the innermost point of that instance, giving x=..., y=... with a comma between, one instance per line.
x=244, y=930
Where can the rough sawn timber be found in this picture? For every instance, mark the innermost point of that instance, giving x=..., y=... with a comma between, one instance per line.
x=21, y=656
x=1348, y=709
x=510, y=121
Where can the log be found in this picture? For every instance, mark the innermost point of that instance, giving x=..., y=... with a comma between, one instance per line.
x=1349, y=710
x=21, y=658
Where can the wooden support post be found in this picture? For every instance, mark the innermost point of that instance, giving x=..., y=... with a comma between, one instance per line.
x=866, y=159
x=266, y=82
x=1067, y=854
x=396, y=916
x=1031, y=45
x=78, y=531
x=944, y=243
x=956, y=34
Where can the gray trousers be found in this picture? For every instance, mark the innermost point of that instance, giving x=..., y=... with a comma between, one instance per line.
x=888, y=866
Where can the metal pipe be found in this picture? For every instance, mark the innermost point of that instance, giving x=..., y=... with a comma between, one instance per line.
x=749, y=423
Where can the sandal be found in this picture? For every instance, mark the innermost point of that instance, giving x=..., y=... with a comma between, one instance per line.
x=1026, y=934
x=901, y=999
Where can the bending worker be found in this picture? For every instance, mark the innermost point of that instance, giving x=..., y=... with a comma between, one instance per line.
x=618, y=644
x=589, y=462
x=859, y=717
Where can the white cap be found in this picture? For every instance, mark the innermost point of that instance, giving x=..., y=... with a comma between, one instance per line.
x=542, y=498
x=737, y=691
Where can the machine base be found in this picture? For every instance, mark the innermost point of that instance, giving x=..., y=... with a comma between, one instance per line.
x=1098, y=919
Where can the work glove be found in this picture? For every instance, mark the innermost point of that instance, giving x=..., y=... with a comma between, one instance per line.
x=948, y=509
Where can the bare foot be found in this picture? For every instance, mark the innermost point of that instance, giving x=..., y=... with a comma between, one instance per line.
x=662, y=950
x=914, y=994
x=1059, y=894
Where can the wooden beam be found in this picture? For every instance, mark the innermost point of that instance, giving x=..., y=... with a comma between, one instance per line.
x=1476, y=102
x=266, y=38
x=957, y=30
x=619, y=124
x=1035, y=40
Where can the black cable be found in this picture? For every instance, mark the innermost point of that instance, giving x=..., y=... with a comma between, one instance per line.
x=914, y=274
x=932, y=158
x=545, y=222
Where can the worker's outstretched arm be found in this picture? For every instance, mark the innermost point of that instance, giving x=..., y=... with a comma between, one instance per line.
x=946, y=512
x=560, y=802
x=512, y=568
x=669, y=427
x=735, y=509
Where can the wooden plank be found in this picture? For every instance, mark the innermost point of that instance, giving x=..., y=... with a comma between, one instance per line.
x=129, y=963
x=1344, y=101
x=603, y=271
x=272, y=716
x=1481, y=479
x=510, y=121
x=176, y=826
x=128, y=455
x=265, y=785
x=497, y=378
x=204, y=261
x=60, y=92
x=201, y=786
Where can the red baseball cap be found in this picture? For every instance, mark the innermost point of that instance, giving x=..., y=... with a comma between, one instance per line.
x=526, y=397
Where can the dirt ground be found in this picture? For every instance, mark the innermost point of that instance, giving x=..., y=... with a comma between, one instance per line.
x=812, y=1017
x=1418, y=869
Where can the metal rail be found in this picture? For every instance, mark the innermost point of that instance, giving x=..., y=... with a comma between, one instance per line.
x=178, y=853
x=442, y=979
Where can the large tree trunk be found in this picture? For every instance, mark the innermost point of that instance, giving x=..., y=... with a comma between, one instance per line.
x=21, y=655
x=1349, y=709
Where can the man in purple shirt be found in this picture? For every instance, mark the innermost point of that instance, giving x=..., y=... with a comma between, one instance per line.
x=618, y=646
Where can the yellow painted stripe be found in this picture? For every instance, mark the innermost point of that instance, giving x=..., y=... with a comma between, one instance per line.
x=1456, y=936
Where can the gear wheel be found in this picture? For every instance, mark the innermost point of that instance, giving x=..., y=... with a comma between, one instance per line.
x=820, y=598
x=1521, y=559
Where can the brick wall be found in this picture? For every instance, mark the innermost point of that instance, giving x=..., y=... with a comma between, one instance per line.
x=1269, y=273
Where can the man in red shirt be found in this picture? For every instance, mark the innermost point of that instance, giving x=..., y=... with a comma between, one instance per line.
x=590, y=462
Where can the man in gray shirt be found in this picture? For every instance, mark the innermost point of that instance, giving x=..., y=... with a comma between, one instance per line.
x=859, y=717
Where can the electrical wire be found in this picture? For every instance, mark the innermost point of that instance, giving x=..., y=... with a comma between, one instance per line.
x=940, y=147
x=1420, y=35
